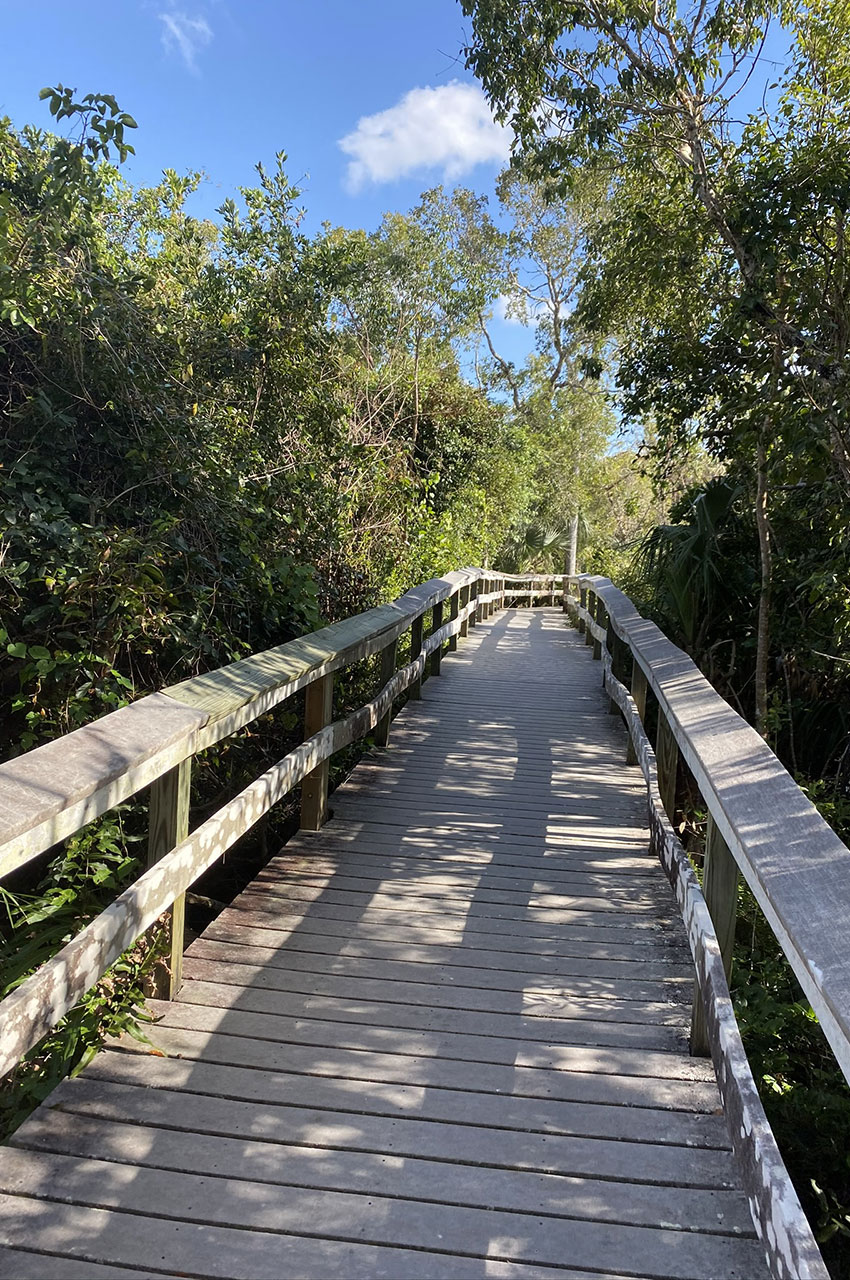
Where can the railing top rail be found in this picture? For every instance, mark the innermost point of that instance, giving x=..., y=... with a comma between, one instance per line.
x=50, y=792
x=794, y=863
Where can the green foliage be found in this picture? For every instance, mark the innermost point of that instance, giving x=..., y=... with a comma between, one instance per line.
x=218, y=435
x=80, y=881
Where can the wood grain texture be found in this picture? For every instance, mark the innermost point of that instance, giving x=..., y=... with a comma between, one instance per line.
x=791, y=1250
x=444, y=1036
x=49, y=793
x=793, y=862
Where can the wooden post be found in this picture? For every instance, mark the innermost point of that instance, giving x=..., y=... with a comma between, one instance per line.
x=614, y=645
x=318, y=709
x=388, y=664
x=168, y=824
x=582, y=599
x=415, y=650
x=436, y=623
x=464, y=601
x=639, y=692
x=591, y=609
x=601, y=618
x=453, y=609
x=667, y=756
x=720, y=890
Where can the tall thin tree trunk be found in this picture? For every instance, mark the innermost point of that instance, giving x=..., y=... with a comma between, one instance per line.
x=572, y=547
x=766, y=557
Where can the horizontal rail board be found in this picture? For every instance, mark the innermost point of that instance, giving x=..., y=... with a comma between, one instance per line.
x=41, y=1000
x=781, y=1223
x=51, y=792
x=792, y=860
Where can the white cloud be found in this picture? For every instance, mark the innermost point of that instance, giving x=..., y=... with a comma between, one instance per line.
x=448, y=128
x=185, y=36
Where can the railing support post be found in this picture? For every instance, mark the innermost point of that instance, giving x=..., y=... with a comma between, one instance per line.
x=720, y=890
x=464, y=601
x=667, y=757
x=388, y=664
x=600, y=617
x=618, y=650
x=590, y=605
x=318, y=709
x=436, y=623
x=454, y=610
x=415, y=650
x=168, y=824
x=639, y=692
x=582, y=600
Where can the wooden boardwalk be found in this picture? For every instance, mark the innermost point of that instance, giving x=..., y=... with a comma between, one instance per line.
x=445, y=1036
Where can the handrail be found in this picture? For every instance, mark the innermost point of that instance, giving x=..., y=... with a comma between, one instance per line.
x=794, y=863
x=691, y=714
x=52, y=791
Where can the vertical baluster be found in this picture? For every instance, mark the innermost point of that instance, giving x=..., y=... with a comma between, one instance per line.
x=600, y=617
x=464, y=601
x=454, y=610
x=389, y=656
x=436, y=623
x=667, y=756
x=415, y=650
x=318, y=709
x=720, y=889
x=639, y=692
x=168, y=824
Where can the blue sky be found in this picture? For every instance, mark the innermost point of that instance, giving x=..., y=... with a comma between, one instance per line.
x=369, y=98
x=217, y=86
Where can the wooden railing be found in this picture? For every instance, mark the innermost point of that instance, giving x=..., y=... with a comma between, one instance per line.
x=759, y=821
x=51, y=792
x=761, y=825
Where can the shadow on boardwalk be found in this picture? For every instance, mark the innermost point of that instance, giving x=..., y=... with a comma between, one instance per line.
x=445, y=1036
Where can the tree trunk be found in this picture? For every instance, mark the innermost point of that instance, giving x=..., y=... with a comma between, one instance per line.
x=572, y=547
x=766, y=557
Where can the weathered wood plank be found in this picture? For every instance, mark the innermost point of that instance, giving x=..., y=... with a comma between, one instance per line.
x=50, y=793
x=218, y=1142
x=220, y=1253
x=791, y=859
x=437, y=1088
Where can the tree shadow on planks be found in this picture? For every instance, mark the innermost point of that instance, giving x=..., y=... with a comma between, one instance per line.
x=405, y=1020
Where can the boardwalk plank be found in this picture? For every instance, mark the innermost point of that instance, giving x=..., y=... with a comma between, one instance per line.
x=324, y=1165
x=395, y=1222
